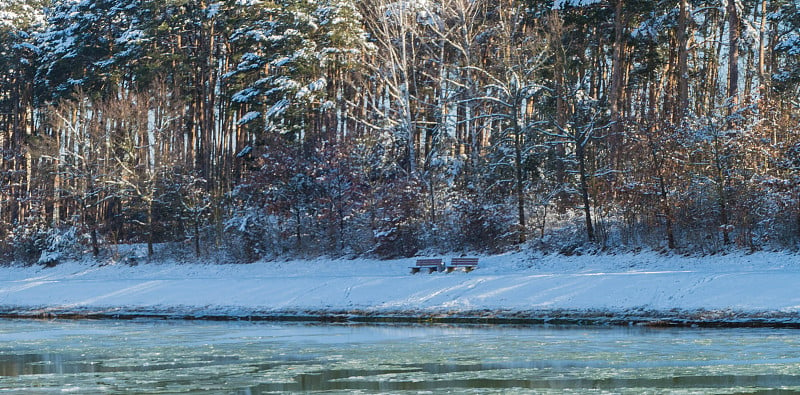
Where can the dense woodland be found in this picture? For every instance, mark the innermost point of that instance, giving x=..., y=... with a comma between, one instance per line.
x=391, y=128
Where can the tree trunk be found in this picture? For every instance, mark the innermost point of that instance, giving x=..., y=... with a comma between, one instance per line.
x=734, y=33
x=150, y=228
x=797, y=216
x=763, y=80
x=587, y=208
x=617, y=76
x=520, y=182
x=197, y=235
x=722, y=193
x=95, y=244
x=432, y=199
x=298, y=235
x=667, y=213
x=544, y=221
x=683, y=64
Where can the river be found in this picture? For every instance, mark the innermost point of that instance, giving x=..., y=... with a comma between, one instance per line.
x=152, y=356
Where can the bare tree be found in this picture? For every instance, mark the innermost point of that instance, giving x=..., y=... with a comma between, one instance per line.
x=81, y=164
x=496, y=60
x=396, y=28
x=145, y=125
x=581, y=134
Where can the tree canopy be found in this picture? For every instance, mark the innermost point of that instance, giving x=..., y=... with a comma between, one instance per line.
x=260, y=128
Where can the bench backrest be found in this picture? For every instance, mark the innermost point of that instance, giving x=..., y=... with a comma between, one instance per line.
x=429, y=262
x=464, y=261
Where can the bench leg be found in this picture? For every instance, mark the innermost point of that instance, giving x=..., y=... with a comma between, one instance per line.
x=414, y=270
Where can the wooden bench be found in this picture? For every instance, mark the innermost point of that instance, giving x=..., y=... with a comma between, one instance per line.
x=468, y=264
x=432, y=264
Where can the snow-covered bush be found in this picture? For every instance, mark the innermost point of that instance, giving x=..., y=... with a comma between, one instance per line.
x=24, y=245
x=252, y=235
x=486, y=227
x=46, y=246
x=398, y=218
x=397, y=241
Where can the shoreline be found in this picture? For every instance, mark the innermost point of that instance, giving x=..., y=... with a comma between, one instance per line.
x=563, y=318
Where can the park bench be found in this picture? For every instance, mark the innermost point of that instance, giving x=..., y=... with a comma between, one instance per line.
x=432, y=264
x=468, y=264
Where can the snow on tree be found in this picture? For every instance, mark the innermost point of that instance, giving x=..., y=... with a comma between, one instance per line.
x=787, y=19
x=92, y=44
x=292, y=53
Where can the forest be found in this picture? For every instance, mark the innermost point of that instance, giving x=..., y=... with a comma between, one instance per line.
x=391, y=128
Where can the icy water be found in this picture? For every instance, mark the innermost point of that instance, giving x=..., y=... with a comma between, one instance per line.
x=260, y=358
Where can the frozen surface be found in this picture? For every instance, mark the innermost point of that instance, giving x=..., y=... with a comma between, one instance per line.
x=724, y=287
x=151, y=356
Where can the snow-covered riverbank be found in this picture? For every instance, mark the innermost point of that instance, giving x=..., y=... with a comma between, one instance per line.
x=738, y=289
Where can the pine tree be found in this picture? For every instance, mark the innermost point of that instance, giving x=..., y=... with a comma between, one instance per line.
x=19, y=21
x=90, y=44
x=290, y=57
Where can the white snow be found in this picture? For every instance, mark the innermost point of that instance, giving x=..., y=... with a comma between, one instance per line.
x=247, y=118
x=724, y=287
x=560, y=4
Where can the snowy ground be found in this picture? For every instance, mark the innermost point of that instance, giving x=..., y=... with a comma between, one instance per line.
x=737, y=289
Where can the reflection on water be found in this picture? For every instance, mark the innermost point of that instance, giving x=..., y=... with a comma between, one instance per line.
x=50, y=363
x=260, y=358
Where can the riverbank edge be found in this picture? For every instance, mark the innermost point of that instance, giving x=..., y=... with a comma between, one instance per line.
x=687, y=319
